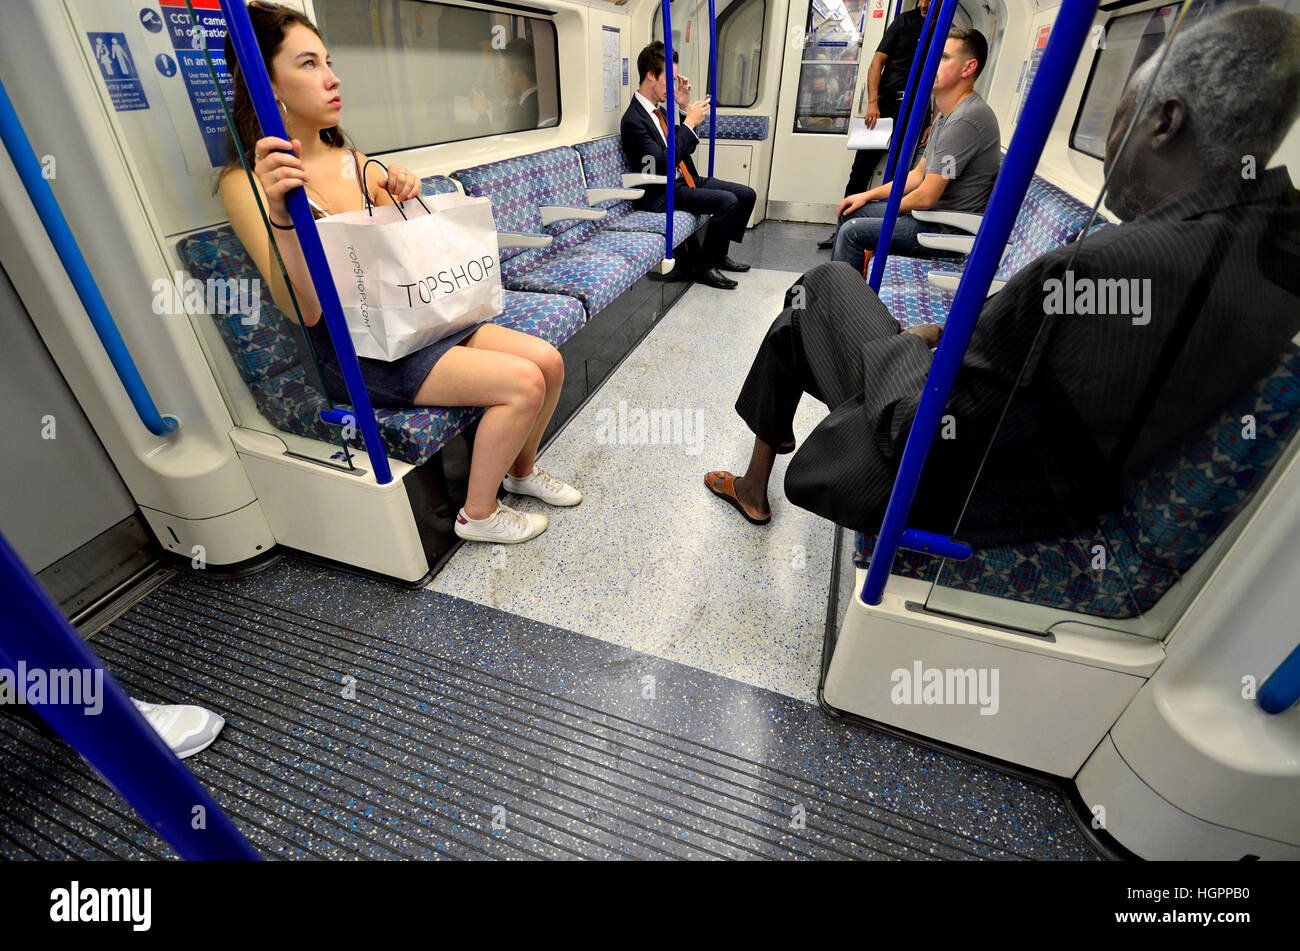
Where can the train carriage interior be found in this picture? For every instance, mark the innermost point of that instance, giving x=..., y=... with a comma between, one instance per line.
x=1077, y=642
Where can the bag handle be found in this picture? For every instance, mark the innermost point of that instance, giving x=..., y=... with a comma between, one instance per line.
x=366, y=194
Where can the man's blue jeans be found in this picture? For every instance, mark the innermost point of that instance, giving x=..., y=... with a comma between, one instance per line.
x=859, y=232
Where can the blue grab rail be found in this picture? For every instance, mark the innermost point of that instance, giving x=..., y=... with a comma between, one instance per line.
x=109, y=733
x=920, y=103
x=713, y=86
x=1069, y=32
x=922, y=48
x=1282, y=689
x=83, y=282
x=670, y=139
x=244, y=39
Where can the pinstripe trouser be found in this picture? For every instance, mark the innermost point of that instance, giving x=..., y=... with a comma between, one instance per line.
x=814, y=346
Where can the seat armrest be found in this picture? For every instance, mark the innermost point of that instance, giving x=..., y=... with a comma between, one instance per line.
x=509, y=239
x=553, y=213
x=947, y=281
x=961, y=243
x=634, y=179
x=596, y=195
x=957, y=219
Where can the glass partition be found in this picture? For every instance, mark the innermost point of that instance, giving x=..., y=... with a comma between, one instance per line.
x=740, y=46
x=1126, y=397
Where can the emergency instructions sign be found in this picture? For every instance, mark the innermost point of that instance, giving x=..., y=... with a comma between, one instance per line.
x=189, y=39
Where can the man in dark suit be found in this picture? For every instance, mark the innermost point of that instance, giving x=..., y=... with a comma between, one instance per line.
x=645, y=143
x=1070, y=399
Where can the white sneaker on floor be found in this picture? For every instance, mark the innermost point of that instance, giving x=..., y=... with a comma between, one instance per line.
x=505, y=526
x=187, y=729
x=540, y=485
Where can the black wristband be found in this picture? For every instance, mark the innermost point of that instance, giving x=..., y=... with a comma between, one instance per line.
x=281, y=227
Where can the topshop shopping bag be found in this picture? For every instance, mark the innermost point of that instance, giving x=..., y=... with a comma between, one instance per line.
x=408, y=280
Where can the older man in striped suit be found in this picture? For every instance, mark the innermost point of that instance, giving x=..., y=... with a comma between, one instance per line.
x=1056, y=404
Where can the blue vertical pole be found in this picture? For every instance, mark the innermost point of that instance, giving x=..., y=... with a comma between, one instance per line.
x=1282, y=688
x=1044, y=99
x=713, y=86
x=105, y=728
x=268, y=114
x=83, y=282
x=921, y=102
x=922, y=47
x=670, y=109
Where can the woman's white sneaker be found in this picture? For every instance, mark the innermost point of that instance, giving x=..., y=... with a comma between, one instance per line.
x=505, y=526
x=540, y=485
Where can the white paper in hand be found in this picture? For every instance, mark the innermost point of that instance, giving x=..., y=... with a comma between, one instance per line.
x=860, y=137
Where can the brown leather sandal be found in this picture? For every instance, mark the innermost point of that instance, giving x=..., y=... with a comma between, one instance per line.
x=727, y=492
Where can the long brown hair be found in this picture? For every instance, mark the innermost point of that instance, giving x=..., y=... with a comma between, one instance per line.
x=270, y=22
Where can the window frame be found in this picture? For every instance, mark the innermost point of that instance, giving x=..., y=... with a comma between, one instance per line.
x=513, y=11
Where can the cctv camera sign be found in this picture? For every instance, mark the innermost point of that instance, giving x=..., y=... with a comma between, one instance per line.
x=195, y=38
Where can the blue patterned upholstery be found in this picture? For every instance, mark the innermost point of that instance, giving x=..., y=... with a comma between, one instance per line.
x=1048, y=219
x=517, y=186
x=594, y=277
x=268, y=361
x=737, y=127
x=437, y=185
x=604, y=164
x=685, y=223
x=1168, y=520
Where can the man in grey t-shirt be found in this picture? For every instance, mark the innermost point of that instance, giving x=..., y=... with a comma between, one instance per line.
x=956, y=173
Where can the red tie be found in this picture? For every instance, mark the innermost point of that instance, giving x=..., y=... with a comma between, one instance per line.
x=663, y=124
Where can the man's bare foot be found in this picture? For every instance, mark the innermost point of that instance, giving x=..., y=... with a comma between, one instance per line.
x=731, y=489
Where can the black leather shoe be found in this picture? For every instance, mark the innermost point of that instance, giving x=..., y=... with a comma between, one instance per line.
x=729, y=265
x=715, y=278
x=827, y=243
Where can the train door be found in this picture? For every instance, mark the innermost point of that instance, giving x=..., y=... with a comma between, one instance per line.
x=829, y=48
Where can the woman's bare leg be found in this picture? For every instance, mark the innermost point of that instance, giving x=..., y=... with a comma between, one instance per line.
x=547, y=359
x=513, y=390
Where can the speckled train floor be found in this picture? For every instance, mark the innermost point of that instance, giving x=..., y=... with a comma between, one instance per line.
x=475, y=733
x=650, y=559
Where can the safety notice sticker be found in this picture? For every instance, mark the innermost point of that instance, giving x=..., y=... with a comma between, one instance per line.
x=189, y=40
x=118, y=68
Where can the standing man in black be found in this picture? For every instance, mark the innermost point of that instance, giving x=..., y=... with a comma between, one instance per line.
x=645, y=143
x=886, y=83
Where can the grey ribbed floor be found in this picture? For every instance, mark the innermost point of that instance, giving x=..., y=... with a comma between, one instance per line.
x=464, y=714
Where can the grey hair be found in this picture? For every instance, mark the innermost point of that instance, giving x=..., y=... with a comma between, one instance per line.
x=1238, y=73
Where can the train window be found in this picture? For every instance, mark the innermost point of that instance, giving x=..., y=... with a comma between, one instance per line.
x=828, y=71
x=418, y=73
x=740, y=46
x=1127, y=42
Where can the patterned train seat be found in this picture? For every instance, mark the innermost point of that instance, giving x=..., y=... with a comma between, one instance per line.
x=1168, y=520
x=604, y=164
x=585, y=260
x=1049, y=218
